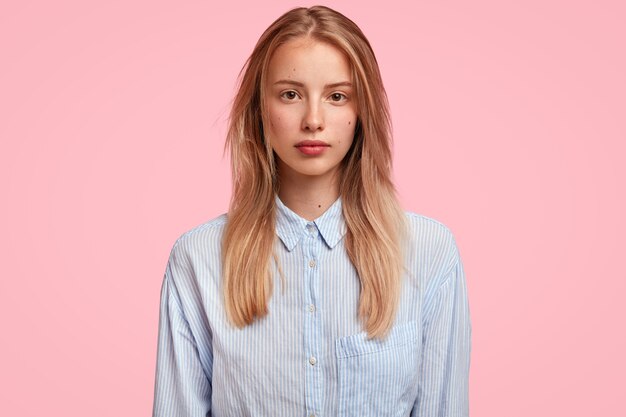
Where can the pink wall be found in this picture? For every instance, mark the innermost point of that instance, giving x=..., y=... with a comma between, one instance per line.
x=509, y=128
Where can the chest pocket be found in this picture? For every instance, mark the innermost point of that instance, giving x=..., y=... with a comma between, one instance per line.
x=378, y=378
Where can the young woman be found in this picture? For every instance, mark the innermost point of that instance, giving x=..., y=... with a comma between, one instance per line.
x=316, y=294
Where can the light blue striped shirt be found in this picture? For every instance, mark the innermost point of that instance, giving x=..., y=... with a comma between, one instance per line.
x=310, y=356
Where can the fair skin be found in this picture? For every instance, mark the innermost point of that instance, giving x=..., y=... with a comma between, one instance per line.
x=305, y=102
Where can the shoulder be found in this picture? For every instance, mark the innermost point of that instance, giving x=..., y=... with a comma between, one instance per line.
x=430, y=231
x=193, y=255
x=431, y=246
x=199, y=240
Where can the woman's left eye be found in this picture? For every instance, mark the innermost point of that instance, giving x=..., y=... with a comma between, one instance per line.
x=338, y=96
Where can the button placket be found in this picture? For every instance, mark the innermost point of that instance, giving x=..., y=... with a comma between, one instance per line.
x=312, y=331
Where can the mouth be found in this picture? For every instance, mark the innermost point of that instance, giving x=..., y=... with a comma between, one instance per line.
x=311, y=143
x=312, y=147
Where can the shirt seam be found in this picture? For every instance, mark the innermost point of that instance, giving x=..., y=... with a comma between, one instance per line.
x=172, y=295
x=449, y=273
x=218, y=221
x=422, y=216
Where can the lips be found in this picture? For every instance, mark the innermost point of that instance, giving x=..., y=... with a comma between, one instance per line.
x=312, y=147
x=312, y=143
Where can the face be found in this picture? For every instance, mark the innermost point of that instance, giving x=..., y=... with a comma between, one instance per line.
x=310, y=98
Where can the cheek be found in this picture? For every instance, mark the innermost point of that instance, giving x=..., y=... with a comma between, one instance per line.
x=349, y=129
x=347, y=125
x=281, y=121
x=345, y=119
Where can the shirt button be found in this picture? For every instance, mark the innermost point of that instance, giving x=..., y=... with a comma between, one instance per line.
x=311, y=308
x=312, y=360
x=311, y=263
x=310, y=228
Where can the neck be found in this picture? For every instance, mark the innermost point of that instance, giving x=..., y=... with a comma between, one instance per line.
x=309, y=196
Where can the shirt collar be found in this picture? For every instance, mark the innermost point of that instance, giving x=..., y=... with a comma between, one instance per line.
x=290, y=227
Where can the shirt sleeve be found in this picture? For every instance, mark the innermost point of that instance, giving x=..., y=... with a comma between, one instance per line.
x=444, y=374
x=182, y=389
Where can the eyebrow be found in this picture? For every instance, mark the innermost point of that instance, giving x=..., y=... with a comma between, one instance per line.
x=299, y=84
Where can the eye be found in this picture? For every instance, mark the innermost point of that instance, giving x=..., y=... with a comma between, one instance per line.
x=338, y=97
x=289, y=95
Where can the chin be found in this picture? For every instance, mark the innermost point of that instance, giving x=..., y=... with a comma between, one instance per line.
x=307, y=169
x=310, y=172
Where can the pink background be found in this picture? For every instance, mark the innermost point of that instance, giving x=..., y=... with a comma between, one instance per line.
x=509, y=128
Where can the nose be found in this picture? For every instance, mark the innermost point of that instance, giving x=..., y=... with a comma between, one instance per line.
x=313, y=118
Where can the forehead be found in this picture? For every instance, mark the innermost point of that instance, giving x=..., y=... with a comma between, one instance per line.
x=306, y=59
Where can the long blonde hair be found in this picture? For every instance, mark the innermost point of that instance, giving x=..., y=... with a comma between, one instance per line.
x=374, y=220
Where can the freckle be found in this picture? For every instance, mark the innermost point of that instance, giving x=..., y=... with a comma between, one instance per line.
x=349, y=122
x=319, y=205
